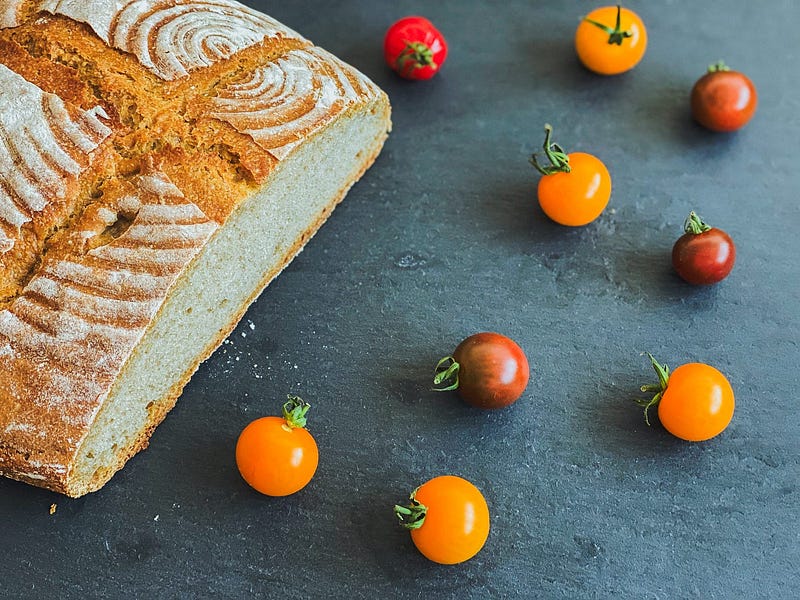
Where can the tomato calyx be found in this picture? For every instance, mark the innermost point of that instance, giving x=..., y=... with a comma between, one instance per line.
x=615, y=35
x=415, y=55
x=663, y=379
x=695, y=225
x=559, y=160
x=446, y=374
x=718, y=67
x=294, y=412
x=411, y=516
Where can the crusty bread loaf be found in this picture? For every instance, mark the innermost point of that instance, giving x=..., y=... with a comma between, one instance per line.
x=160, y=162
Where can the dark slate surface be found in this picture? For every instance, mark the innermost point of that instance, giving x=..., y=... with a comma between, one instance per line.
x=441, y=239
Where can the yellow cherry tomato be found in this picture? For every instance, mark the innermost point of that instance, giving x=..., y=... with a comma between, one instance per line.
x=695, y=401
x=574, y=188
x=448, y=518
x=277, y=456
x=697, y=404
x=610, y=40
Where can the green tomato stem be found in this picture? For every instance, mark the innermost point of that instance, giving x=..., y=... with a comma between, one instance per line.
x=694, y=224
x=446, y=374
x=559, y=160
x=663, y=380
x=294, y=412
x=661, y=370
x=415, y=56
x=616, y=35
x=411, y=516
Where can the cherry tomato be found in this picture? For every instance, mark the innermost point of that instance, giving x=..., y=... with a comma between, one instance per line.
x=723, y=100
x=489, y=370
x=695, y=402
x=277, y=456
x=703, y=255
x=575, y=187
x=608, y=50
x=414, y=48
x=448, y=519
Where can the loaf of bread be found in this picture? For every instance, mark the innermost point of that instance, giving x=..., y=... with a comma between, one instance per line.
x=160, y=162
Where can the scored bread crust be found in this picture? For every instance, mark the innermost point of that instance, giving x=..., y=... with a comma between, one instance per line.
x=184, y=151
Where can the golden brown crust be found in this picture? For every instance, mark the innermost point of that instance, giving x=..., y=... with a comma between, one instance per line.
x=59, y=152
x=50, y=76
x=83, y=273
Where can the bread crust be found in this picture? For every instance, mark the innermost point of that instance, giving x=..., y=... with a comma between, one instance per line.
x=187, y=145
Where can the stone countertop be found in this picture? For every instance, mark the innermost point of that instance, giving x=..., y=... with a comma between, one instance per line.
x=443, y=238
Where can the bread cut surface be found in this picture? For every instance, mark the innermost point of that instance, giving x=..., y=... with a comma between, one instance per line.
x=160, y=162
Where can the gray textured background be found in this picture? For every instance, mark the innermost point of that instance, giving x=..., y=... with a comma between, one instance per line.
x=441, y=239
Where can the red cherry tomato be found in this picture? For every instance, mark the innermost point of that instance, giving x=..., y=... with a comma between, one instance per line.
x=703, y=255
x=574, y=188
x=489, y=370
x=695, y=402
x=448, y=519
x=723, y=100
x=277, y=456
x=414, y=48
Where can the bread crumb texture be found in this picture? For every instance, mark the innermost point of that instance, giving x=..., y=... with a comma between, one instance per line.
x=130, y=130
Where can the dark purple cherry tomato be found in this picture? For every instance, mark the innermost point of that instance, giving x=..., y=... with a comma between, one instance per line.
x=489, y=370
x=723, y=100
x=703, y=255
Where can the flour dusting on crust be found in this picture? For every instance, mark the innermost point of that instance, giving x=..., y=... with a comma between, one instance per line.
x=43, y=149
x=172, y=38
x=8, y=13
x=282, y=103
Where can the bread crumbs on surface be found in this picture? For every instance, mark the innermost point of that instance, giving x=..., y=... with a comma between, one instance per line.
x=53, y=508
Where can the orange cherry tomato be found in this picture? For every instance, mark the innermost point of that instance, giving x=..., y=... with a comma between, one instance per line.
x=695, y=401
x=277, y=456
x=610, y=40
x=448, y=518
x=574, y=188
